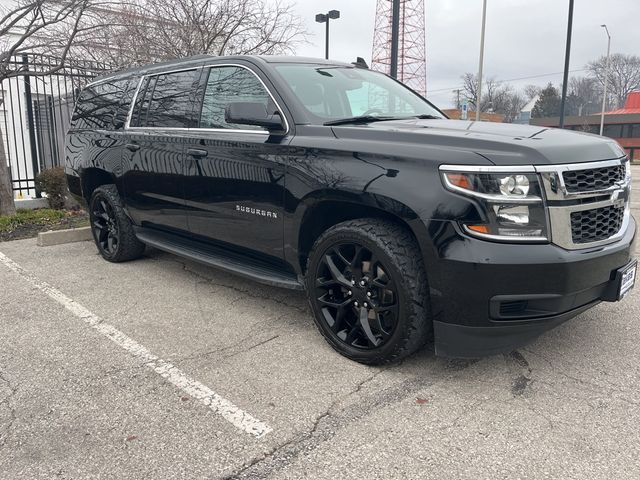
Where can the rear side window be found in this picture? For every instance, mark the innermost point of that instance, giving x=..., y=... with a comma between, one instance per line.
x=166, y=100
x=122, y=110
x=97, y=104
x=226, y=85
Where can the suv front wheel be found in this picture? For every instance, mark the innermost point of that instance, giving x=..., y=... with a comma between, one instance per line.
x=368, y=291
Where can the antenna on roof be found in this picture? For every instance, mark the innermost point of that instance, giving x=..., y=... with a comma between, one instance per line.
x=360, y=63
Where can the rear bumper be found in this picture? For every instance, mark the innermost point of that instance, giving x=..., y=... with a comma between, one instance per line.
x=491, y=298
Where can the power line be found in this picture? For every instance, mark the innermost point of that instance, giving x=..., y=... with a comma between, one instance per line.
x=430, y=92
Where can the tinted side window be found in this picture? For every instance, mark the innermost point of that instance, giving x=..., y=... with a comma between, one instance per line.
x=139, y=113
x=122, y=109
x=226, y=85
x=97, y=104
x=166, y=100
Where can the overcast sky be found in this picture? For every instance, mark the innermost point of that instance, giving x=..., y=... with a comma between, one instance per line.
x=525, y=38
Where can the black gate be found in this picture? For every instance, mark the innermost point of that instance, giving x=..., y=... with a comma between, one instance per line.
x=35, y=111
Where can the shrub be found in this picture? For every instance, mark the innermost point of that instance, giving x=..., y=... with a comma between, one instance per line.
x=53, y=182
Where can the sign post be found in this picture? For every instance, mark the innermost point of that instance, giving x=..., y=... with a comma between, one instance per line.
x=464, y=110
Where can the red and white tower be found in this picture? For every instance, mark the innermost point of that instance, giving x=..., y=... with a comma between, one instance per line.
x=412, y=61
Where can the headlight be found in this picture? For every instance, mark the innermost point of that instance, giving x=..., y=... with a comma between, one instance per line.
x=510, y=203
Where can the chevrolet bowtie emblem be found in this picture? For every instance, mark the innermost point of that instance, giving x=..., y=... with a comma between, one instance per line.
x=617, y=197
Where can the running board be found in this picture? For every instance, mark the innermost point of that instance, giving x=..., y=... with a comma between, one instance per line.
x=221, y=258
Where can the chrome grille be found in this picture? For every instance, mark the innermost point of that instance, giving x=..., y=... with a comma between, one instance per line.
x=587, y=203
x=595, y=225
x=593, y=178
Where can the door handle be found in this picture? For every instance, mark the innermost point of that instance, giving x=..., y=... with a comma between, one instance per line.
x=197, y=152
x=134, y=147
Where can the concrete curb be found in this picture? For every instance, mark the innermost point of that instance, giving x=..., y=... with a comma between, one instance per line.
x=31, y=203
x=58, y=237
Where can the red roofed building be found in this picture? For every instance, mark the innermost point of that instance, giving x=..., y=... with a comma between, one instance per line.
x=632, y=105
x=622, y=124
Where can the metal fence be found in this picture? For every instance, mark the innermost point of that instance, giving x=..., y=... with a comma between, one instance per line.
x=35, y=112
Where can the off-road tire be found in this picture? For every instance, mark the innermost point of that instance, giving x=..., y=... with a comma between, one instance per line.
x=397, y=249
x=128, y=246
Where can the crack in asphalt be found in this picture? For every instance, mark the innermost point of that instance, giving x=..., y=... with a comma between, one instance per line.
x=249, y=334
x=595, y=387
x=327, y=425
x=12, y=411
x=522, y=381
x=255, y=345
x=245, y=291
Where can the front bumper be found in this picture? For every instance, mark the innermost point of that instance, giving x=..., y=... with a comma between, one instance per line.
x=491, y=298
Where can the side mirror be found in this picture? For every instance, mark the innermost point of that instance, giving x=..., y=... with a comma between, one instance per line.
x=252, y=113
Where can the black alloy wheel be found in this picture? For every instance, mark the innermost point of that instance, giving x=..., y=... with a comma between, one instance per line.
x=368, y=290
x=358, y=297
x=111, y=227
x=105, y=227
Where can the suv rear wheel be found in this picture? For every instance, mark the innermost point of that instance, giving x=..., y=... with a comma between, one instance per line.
x=112, y=230
x=368, y=291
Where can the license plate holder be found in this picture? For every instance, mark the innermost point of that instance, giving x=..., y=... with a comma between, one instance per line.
x=626, y=279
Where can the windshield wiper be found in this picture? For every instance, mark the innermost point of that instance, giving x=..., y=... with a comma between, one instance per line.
x=426, y=116
x=376, y=118
x=359, y=119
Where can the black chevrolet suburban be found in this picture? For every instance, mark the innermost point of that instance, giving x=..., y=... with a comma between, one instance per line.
x=403, y=226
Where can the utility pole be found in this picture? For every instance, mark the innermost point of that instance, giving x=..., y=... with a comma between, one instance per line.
x=567, y=55
x=606, y=78
x=457, y=92
x=324, y=18
x=395, y=36
x=480, y=66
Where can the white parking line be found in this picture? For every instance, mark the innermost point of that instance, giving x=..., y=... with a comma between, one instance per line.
x=223, y=407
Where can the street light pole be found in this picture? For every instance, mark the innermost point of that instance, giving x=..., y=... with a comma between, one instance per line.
x=480, y=66
x=326, y=40
x=324, y=18
x=606, y=78
x=567, y=54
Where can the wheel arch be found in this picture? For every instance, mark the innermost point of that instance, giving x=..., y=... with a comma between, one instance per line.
x=321, y=210
x=92, y=178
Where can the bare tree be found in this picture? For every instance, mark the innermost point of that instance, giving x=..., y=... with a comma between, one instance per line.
x=470, y=89
x=492, y=92
x=623, y=78
x=532, y=91
x=497, y=97
x=585, y=94
x=512, y=106
x=29, y=26
x=145, y=31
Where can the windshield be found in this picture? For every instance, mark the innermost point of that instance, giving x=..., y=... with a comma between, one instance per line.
x=337, y=92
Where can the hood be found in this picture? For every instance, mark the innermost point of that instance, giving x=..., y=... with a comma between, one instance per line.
x=500, y=143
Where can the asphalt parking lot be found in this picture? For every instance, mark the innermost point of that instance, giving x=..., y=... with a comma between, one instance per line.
x=161, y=368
